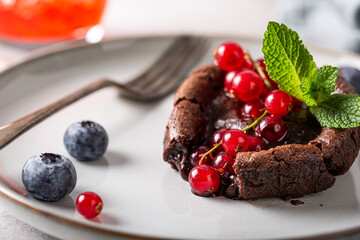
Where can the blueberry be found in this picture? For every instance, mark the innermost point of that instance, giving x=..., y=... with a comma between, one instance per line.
x=49, y=176
x=86, y=140
x=351, y=75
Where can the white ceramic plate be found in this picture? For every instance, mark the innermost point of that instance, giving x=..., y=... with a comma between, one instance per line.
x=143, y=196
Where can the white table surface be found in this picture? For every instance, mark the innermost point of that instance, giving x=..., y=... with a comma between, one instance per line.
x=157, y=17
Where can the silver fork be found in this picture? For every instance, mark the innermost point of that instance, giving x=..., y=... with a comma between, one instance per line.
x=166, y=74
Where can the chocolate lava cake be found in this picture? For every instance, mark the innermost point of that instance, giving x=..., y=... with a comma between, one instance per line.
x=305, y=161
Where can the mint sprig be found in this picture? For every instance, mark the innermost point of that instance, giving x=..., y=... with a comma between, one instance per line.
x=287, y=60
x=318, y=87
x=290, y=64
x=338, y=111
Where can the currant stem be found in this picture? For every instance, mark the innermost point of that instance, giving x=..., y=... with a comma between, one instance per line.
x=215, y=52
x=208, y=152
x=259, y=70
x=244, y=129
x=98, y=207
x=253, y=124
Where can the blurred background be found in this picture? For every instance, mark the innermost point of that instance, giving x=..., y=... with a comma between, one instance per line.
x=26, y=25
x=331, y=23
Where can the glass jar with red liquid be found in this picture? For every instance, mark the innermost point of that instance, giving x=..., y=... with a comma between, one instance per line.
x=45, y=21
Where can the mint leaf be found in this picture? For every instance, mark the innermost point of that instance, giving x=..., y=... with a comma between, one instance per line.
x=317, y=88
x=338, y=111
x=287, y=60
x=290, y=64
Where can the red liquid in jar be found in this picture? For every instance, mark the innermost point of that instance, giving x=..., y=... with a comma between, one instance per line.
x=41, y=21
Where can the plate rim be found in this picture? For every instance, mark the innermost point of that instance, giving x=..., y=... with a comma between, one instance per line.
x=62, y=47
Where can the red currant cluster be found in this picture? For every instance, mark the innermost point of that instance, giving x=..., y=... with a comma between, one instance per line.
x=249, y=82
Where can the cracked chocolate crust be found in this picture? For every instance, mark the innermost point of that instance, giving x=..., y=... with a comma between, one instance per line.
x=188, y=122
x=339, y=147
x=291, y=170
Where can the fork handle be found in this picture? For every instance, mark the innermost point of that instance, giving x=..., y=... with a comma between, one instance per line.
x=12, y=130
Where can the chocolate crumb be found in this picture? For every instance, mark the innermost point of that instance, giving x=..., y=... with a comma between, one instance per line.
x=287, y=198
x=296, y=202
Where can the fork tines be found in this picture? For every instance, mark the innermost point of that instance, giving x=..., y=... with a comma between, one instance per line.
x=169, y=70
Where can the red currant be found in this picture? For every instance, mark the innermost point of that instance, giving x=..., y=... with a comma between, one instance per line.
x=247, y=85
x=216, y=138
x=256, y=143
x=235, y=141
x=296, y=102
x=229, y=77
x=261, y=63
x=223, y=163
x=248, y=64
x=272, y=128
x=89, y=204
x=197, y=153
x=264, y=92
x=215, y=62
x=252, y=109
x=229, y=56
x=278, y=103
x=204, y=180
